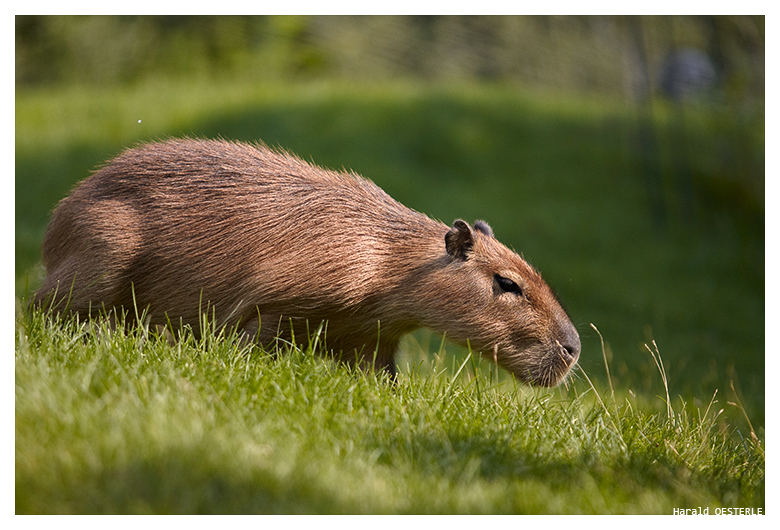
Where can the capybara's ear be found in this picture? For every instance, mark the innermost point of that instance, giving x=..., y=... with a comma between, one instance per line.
x=459, y=240
x=483, y=227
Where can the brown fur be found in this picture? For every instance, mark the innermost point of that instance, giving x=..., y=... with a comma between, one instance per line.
x=262, y=238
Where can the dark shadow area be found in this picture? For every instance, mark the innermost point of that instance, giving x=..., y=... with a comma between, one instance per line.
x=179, y=481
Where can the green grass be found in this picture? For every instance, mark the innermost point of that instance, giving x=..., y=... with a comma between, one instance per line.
x=559, y=179
x=123, y=422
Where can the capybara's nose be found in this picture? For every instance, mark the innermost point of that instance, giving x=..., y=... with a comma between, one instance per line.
x=573, y=350
x=571, y=342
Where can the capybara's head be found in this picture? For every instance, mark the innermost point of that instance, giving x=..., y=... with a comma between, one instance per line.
x=505, y=308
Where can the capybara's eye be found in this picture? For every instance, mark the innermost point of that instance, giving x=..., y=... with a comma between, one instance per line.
x=507, y=285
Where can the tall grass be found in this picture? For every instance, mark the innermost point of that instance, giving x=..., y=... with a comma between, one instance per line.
x=118, y=420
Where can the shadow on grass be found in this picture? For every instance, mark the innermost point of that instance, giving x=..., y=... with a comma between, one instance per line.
x=179, y=481
x=183, y=481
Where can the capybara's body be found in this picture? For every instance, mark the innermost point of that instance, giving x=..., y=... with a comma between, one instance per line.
x=261, y=240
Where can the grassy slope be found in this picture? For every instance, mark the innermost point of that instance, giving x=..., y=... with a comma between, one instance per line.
x=557, y=181
x=114, y=423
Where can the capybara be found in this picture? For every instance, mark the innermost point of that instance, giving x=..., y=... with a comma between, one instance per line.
x=261, y=240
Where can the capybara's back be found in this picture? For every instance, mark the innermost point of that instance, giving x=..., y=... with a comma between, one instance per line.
x=261, y=240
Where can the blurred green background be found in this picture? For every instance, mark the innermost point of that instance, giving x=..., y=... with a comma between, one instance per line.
x=622, y=156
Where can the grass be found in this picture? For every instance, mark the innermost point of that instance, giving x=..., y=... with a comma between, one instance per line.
x=133, y=425
x=123, y=422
